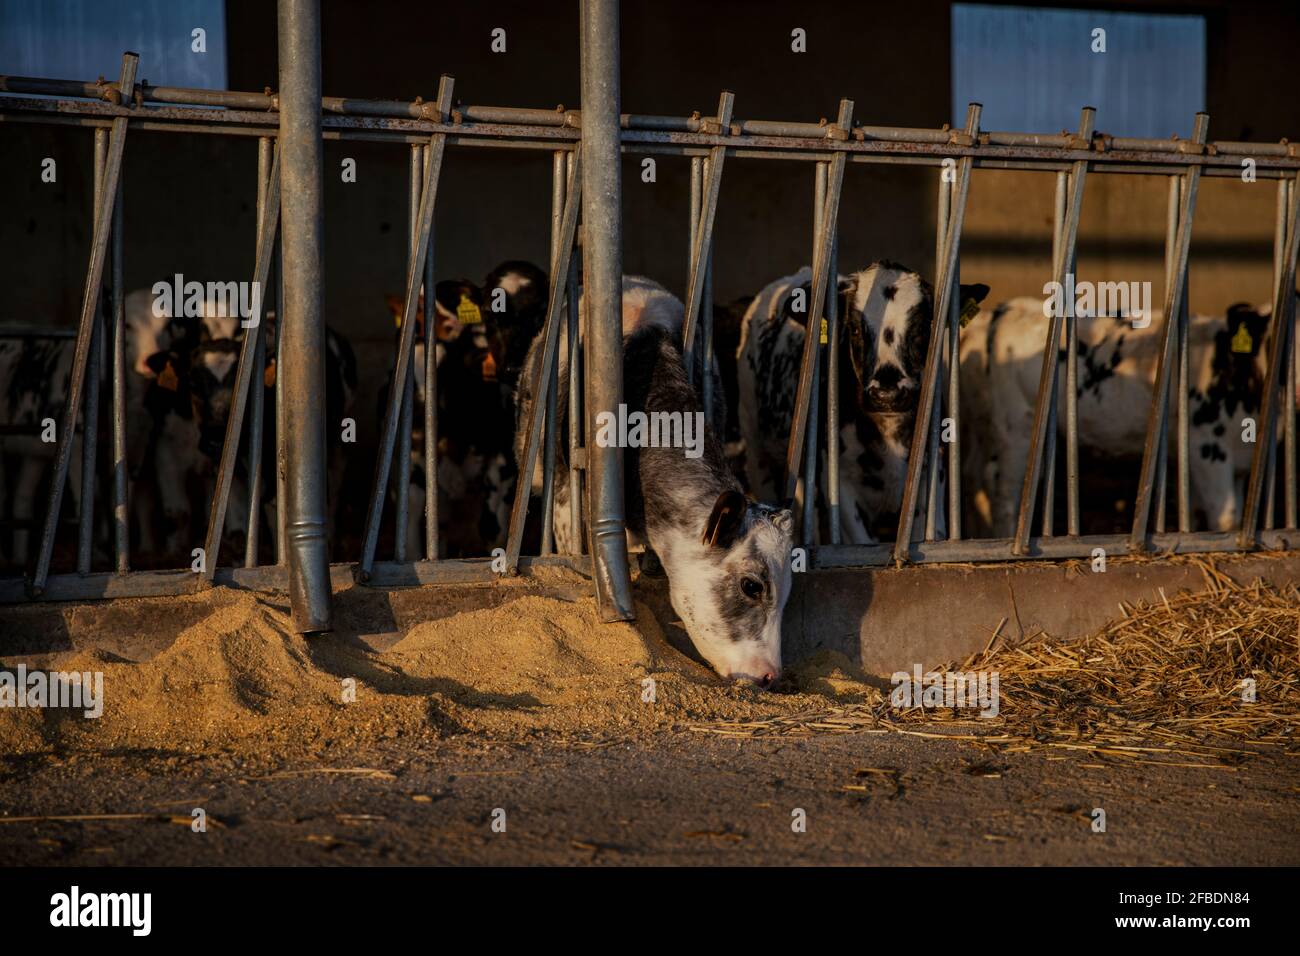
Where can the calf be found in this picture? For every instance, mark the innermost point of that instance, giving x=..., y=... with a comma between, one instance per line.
x=475, y=426
x=1001, y=360
x=727, y=558
x=886, y=312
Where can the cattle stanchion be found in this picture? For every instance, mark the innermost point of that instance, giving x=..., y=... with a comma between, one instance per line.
x=1288, y=422
x=1277, y=349
x=543, y=377
x=431, y=383
x=1270, y=475
x=401, y=476
x=1044, y=411
x=303, y=328
x=932, y=451
x=954, y=365
x=945, y=272
x=90, y=416
x=602, y=219
x=559, y=173
x=406, y=347
x=698, y=310
x=269, y=203
x=575, y=393
x=822, y=281
x=86, y=324
x=833, y=396
x=265, y=150
x=121, y=467
x=808, y=521
x=1175, y=285
x=1162, y=460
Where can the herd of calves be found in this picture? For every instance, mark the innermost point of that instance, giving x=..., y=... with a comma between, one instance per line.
x=181, y=375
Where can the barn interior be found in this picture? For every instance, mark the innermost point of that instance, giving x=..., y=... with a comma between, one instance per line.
x=191, y=198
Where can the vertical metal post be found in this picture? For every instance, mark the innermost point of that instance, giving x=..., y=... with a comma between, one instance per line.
x=1071, y=395
x=813, y=328
x=603, y=265
x=1270, y=473
x=576, y=496
x=281, y=436
x=303, y=323
x=833, y=394
x=1047, y=382
x=702, y=236
x=90, y=417
x=1049, y=456
x=1162, y=444
x=946, y=271
x=943, y=207
x=1288, y=422
x=121, y=467
x=1175, y=284
x=86, y=325
x=822, y=281
x=954, y=375
x=559, y=173
x=402, y=466
x=430, y=391
x=257, y=397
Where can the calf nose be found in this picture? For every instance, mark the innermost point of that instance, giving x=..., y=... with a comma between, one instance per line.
x=767, y=680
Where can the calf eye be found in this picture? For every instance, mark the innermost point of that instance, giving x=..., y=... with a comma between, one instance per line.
x=752, y=588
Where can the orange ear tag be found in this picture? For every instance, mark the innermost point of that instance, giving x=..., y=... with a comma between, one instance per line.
x=168, y=378
x=268, y=377
x=489, y=368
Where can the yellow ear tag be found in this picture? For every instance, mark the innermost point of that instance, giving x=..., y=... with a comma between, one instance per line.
x=1242, y=342
x=969, y=311
x=467, y=311
x=826, y=328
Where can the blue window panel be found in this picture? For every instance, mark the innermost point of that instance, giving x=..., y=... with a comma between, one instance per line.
x=1033, y=69
x=84, y=39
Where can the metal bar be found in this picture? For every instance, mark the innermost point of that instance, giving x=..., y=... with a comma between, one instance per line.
x=90, y=416
x=431, y=545
x=543, y=377
x=243, y=376
x=257, y=399
x=1270, y=473
x=1288, y=423
x=1174, y=287
x=1276, y=349
x=414, y=270
x=811, y=331
x=1046, y=403
x=1183, y=385
x=121, y=466
x=576, y=497
x=954, y=380
x=281, y=434
x=85, y=331
x=1071, y=399
x=946, y=270
x=559, y=173
x=821, y=282
x=942, y=210
x=402, y=464
x=702, y=237
x=706, y=324
x=303, y=325
x=833, y=394
x=1162, y=458
x=603, y=266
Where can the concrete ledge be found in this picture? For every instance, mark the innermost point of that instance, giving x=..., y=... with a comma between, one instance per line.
x=889, y=619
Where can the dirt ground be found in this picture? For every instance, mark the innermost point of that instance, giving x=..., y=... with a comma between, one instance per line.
x=507, y=726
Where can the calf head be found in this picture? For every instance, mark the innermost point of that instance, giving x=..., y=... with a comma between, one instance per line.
x=515, y=297
x=729, y=582
x=1237, y=376
x=887, y=312
x=213, y=368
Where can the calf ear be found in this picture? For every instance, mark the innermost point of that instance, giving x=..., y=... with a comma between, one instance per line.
x=969, y=300
x=784, y=521
x=725, y=520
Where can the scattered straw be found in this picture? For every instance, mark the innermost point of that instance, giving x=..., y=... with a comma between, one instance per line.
x=1166, y=681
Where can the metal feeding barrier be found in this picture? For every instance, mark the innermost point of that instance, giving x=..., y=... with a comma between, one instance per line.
x=584, y=149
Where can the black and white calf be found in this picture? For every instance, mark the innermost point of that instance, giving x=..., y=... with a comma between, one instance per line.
x=1001, y=360
x=727, y=558
x=885, y=318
